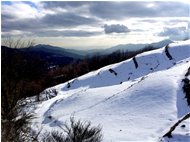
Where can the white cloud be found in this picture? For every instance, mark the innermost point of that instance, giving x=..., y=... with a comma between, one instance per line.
x=175, y=33
x=20, y=10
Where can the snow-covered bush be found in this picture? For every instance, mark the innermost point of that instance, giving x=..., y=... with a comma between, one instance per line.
x=47, y=94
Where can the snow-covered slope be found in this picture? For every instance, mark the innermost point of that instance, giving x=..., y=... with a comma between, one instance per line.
x=131, y=102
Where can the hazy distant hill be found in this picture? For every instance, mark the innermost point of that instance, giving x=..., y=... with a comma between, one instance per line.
x=133, y=47
x=56, y=51
x=60, y=56
x=50, y=58
x=80, y=54
x=74, y=53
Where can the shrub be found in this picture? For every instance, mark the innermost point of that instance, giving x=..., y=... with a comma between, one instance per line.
x=54, y=136
x=76, y=131
x=186, y=86
x=47, y=94
x=168, y=53
x=186, y=89
x=17, y=130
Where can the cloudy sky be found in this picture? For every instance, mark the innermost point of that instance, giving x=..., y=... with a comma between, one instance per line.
x=89, y=25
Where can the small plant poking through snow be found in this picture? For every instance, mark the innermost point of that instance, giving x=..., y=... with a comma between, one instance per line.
x=76, y=131
x=68, y=85
x=135, y=62
x=186, y=86
x=168, y=53
x=112, y=71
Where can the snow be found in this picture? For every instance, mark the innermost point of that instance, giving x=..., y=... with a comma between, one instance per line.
x=137, y=104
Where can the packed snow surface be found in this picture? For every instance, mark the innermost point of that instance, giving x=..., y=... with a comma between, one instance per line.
x=130, y=103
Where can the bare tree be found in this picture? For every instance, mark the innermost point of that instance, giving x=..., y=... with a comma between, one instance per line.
x=13, y=67
x=17, y=42
x=16, y=82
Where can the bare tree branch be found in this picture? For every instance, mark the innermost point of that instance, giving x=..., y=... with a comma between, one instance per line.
x=17, y=42
x=169, y=133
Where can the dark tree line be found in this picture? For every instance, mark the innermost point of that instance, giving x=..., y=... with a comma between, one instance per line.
x=21, y=77
x=63, y=74
x=21, y=72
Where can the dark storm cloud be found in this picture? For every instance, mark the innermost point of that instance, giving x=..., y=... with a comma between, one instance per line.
x=79, y=33
x=59, y=20
x=10, y=22
x=5, y=17
x=121, y=10
x=64, y=4
x=95, y=15
x=115, y=28
x=25, y=25
x=38, y=28
x=67, y=20
x=66, y=33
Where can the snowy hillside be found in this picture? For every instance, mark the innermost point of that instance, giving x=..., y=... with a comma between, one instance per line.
x=135, y=100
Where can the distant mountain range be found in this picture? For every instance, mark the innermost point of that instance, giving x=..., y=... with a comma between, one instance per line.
x=79, y=54
x=61, y=56
x=50, y=58
x=133, y=47
x=55, y=51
